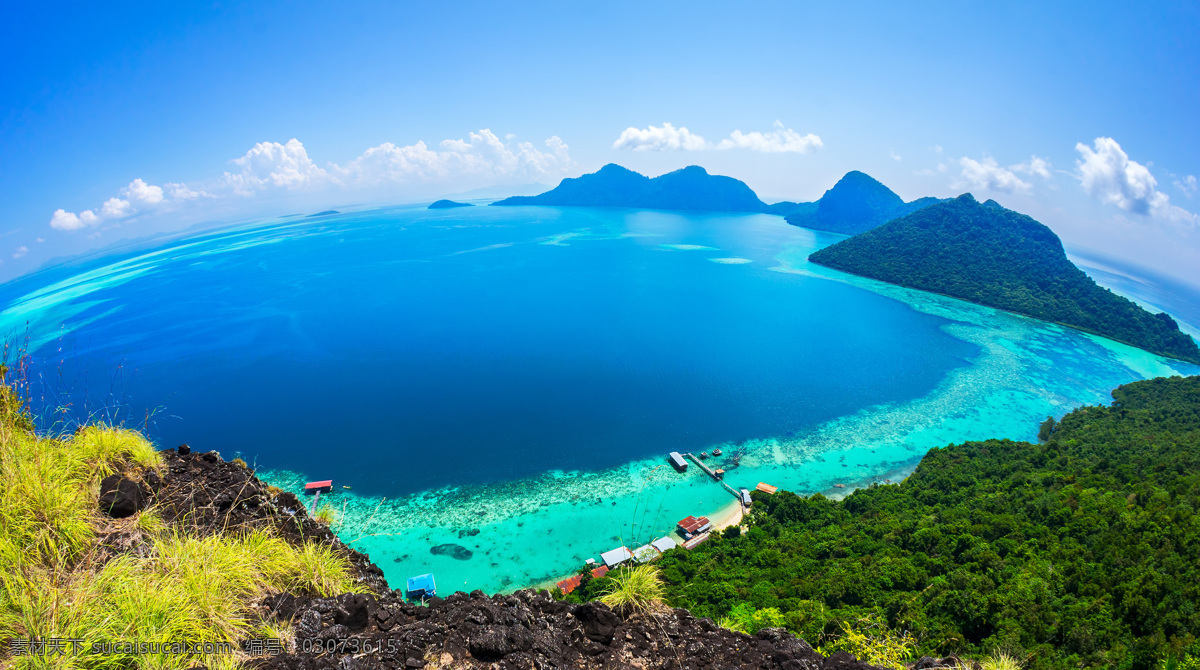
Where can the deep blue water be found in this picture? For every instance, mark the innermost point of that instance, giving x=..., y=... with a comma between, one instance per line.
x=404, y=349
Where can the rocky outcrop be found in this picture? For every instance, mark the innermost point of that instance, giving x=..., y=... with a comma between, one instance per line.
x=121, y=496
x=210, y=495
x=380, y=630
x=526, y=629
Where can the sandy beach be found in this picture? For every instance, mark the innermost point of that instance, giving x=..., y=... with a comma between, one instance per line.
x=729, y=515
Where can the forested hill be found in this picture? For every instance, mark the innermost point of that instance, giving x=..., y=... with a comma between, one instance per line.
x=993, y=256
x=691, y=188
x=1082, y=551
x=855, y=204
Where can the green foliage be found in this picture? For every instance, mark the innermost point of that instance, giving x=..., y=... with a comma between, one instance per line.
x=326, y=515
x=1083, y=551
x=182, y=588
x=1001, y=661
x=993, y=256
x=1184, y=659
x=634, y=590
x=1046, y=429
x=745, y=618
x=870, y=641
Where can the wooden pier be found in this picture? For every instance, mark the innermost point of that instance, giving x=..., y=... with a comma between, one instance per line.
x=711, y=473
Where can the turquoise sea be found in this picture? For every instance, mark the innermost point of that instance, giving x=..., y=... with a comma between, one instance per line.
x=501, y=385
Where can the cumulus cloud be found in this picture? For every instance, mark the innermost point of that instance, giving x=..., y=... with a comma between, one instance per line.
x=669, y=138
x=480, y=158
x=182, y=192
x=21, y=251
x=989, y=175
x=1036, y=166
x=271, y=164
x=1106, y=172
x=115, y=208
x=64, y=220
x=145, y=194
x=779, y=140
x=660, y=138
x=137, y=197
x=481, y=155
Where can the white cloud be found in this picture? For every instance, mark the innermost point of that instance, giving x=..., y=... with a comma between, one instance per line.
x=271, y=164
x=138, y=197
x=1187, y=184
x=989, y=175
x=64, y=220
x=21, y=251
x=182, y=192
x=669, y=138
x=480, y=158
x=1106, y=172
x=895, y=156
x=115, y=208
x=660, y=138
x=779, y=140
x=482, y=155
x=1035, y=166
x=142, y=193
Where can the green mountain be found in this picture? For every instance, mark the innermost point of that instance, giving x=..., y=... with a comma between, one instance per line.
x=996, y=257
x=690, y=188
x=855, y=204
x=1082, y=551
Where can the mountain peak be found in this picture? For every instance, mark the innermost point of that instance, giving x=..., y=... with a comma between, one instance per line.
x=689, y=188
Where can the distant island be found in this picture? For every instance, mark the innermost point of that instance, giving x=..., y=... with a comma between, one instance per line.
x=857, y=203
x=325, y=213
x=993, y=256
x=448, y=204
x=691, y=188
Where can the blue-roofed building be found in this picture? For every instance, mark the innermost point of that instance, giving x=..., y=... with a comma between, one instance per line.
x=421, y=587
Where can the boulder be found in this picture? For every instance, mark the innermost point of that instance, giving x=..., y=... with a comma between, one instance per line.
x=122, y=497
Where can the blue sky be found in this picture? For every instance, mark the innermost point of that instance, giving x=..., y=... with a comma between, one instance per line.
x=153, y=117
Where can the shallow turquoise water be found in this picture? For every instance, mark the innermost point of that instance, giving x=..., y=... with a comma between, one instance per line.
x=510, y=380
x=539, y=529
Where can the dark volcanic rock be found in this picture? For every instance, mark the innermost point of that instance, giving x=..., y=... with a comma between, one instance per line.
x=210, y=495
x=121, y=497
x=455, y=551
x=530, y=629
x=381, y=631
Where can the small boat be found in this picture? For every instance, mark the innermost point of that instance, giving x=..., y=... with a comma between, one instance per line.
x=716, y=452
x=704, y=455
x=839, y=486
x=345, y=487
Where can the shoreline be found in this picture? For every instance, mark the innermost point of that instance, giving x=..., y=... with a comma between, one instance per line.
x=729, y=515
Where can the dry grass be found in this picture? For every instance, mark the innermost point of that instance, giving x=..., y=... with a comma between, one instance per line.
x=184, y=588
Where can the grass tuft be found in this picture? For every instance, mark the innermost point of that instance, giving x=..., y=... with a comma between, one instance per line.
x=635, y=590
x=186, y=588
x=1001, y=661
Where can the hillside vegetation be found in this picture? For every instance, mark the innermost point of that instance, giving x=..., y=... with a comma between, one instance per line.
x=993, y=256
x=1080, y=551
x=70, y=572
